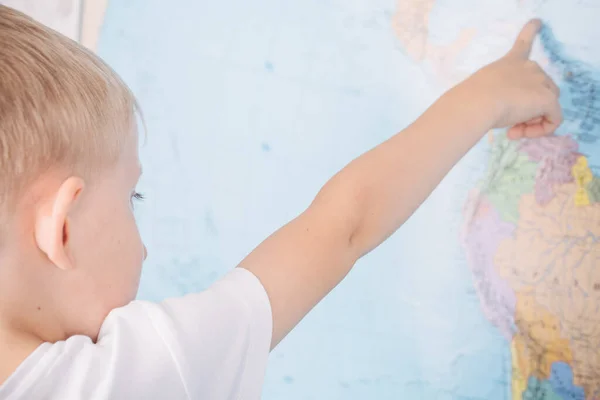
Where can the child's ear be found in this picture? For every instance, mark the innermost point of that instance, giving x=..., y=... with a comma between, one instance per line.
x=52, y=223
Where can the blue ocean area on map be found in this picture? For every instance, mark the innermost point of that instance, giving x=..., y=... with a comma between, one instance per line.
x=559, y=387
x=580, y=95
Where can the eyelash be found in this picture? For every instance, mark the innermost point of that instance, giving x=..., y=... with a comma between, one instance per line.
x=136, y=196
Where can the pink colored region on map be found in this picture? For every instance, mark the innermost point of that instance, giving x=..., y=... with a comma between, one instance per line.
x=556, y=156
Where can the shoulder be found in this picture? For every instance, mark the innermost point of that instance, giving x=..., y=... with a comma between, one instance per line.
x=212, y=344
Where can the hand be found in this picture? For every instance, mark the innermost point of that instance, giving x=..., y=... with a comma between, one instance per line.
x=523, y=97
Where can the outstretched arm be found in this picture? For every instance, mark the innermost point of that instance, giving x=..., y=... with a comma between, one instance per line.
x=375, y=194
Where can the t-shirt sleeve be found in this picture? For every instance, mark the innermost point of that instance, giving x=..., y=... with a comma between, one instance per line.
x=218, y=341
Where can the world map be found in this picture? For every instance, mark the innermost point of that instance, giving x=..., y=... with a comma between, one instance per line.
x=490, y=291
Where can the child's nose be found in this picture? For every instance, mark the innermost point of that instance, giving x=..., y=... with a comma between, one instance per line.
x=145, y=252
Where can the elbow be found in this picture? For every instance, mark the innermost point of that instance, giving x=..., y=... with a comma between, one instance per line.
x=342, y=207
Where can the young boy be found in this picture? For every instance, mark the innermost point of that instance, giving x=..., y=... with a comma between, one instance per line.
x=70, y=252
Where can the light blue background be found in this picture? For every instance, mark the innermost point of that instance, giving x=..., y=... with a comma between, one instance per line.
x=250, y=108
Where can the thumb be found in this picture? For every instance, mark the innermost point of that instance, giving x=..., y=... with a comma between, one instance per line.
x=524, y=42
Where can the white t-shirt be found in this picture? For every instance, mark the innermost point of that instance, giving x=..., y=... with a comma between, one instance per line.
x=212, y=345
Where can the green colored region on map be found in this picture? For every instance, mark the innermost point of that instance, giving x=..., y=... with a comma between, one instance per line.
x=510, y=175
x=593, y=190
x=537, y=390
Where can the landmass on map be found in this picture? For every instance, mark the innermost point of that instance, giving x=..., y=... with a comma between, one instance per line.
x=531, y=235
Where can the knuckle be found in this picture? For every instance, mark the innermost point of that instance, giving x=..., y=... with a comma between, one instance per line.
x=531, y=64
x=554, y=90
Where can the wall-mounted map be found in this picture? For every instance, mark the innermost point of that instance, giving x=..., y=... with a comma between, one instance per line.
x=491, y=291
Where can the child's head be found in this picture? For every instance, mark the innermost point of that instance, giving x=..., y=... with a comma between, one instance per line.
x=70, y=250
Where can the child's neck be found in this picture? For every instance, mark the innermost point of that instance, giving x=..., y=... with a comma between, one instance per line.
x=15, y=347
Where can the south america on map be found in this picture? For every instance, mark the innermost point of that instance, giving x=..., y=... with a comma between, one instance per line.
x=531, y=234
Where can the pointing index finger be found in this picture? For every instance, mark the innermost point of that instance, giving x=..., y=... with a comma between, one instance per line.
x=524, y=42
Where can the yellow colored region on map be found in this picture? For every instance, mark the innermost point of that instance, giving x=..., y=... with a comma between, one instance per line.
x=581, y=198
x=583, y=176
x=536, y=345
x=519, y=378
x=539, y=343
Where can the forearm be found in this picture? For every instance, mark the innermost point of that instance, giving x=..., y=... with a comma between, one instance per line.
x=382, y=188
x=376, y=193
x=359, y=208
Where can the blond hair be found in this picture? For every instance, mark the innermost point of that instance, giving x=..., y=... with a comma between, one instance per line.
x=60, y=105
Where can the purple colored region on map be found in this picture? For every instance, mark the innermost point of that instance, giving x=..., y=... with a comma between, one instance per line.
x=556, y=156
x=481, y=239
